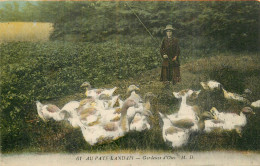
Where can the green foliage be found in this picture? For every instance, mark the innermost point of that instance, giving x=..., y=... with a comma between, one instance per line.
x=233, y=24
x=120, y=48
x=225, y=25
x=44, y=71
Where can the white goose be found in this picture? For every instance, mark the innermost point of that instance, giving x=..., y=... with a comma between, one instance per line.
x=211, y=85
x=96, y=93
x=256, y=104
x=70, y=109
x=186, y=111
x=173, y=135
x=142, y=122
x=89, y=116
x=49, y=111
x=133, y=95
x=107, y=132
x=112, y=102
x=187, y=93
x=228, y=121
x=234, y=96
x=96, y=111
x=132, y=88
x=108, y=92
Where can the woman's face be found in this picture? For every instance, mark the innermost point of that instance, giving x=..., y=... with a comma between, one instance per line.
x=169, y=33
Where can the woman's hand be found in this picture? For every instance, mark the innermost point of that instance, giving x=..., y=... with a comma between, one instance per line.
x=173, y=59
x=165, y=56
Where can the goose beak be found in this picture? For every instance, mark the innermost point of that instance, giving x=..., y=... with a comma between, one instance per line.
x=212, y=110
x=239, y=132
x=82, y=85
x=176, y=95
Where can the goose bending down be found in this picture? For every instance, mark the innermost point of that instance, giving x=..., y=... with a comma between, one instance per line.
x=109, y=131
x=211, y=85
x=197, y=124
x=49, y=111
x=256, y=104
x=228, y=121
x=234, y=96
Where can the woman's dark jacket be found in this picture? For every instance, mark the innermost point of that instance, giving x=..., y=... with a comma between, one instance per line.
x=170, y=47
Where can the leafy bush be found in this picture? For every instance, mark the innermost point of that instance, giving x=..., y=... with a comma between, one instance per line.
x=44, y=71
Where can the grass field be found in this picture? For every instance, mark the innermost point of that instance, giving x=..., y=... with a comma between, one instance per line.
x=236, y=73
x=52, y=72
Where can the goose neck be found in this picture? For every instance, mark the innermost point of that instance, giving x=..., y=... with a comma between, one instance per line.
x=183, y=101
x=39, y=106
x=124, y=123
x=242, y=115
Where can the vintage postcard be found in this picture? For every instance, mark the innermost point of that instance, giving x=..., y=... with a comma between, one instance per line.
x=129, y=83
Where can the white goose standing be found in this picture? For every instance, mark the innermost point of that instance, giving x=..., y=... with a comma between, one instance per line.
x=185, y=111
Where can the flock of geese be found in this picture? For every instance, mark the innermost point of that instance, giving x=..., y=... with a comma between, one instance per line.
x=104, y=117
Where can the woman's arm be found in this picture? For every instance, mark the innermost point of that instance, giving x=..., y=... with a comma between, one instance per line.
x=177, y=52
x=162, y=50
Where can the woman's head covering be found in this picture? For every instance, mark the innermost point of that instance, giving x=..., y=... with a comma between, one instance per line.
x=169, y=27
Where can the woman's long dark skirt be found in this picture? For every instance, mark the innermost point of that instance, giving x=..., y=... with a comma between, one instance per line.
x=171, y=73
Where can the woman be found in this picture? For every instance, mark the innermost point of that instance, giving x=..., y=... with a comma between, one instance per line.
x=170, y=52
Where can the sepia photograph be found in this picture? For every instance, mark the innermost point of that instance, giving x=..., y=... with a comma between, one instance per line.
x=137, y=82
